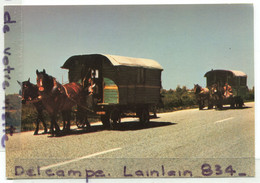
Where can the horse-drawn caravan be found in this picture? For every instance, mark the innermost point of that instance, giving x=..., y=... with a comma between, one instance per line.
x=116, y=84
x=227, y=87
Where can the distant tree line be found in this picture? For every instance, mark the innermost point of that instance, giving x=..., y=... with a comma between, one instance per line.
x=177, y=99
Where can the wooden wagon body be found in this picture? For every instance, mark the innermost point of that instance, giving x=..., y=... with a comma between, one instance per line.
x=122, y=83
x=236, y=79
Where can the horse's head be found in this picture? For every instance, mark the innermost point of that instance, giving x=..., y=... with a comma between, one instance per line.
x=45, y=82
x=28, y=91
x=197, y=88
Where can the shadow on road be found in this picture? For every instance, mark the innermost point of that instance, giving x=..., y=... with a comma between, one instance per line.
x=125, y=126
x=136, y=125
x=227, y=108
x=232, y=108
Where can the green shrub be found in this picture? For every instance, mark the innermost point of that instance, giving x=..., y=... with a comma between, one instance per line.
x=178, y=98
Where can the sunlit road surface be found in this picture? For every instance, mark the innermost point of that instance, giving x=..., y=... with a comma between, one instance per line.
x=182, y=140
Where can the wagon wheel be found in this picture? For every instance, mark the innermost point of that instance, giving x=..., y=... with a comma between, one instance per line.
x=232, y=103
x=240, y=102
x=115, y=118
x=210, y=104
x=219, y=105
x=144, y=116
x=105, y=121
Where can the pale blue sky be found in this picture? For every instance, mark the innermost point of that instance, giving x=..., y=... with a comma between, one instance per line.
x=187, y=40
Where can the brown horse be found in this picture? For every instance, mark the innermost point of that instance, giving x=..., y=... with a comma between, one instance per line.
x=58, y=98
x=202, y=96
x=30, y=94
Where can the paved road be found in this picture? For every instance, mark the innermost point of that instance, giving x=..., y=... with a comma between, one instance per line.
x=181, y=140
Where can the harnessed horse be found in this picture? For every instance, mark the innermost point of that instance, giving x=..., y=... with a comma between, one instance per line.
x=30, y=94
x=202, y=96
x=57, y=97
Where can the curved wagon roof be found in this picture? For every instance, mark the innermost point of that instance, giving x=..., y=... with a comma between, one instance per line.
x=114, y=60
x=233, y=72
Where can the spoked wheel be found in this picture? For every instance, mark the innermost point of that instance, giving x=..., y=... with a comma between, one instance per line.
x=210, y=105
x=239, y=102
x=111, y=119
x=144, y=116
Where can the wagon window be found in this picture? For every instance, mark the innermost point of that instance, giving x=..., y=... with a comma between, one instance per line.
x=94, y=73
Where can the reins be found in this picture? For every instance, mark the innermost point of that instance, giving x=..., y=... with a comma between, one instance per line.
x=67, y=94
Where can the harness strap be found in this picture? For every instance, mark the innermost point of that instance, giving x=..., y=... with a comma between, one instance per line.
x=55, y=85
x=67, y=94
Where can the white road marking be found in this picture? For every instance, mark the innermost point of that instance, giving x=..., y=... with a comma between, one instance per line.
x=77, y=159
x=224, y=120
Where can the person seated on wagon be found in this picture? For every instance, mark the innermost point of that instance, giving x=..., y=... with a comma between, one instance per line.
x=92, y=93
x=91, y=86
x=228, y=90
x=88, y=85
